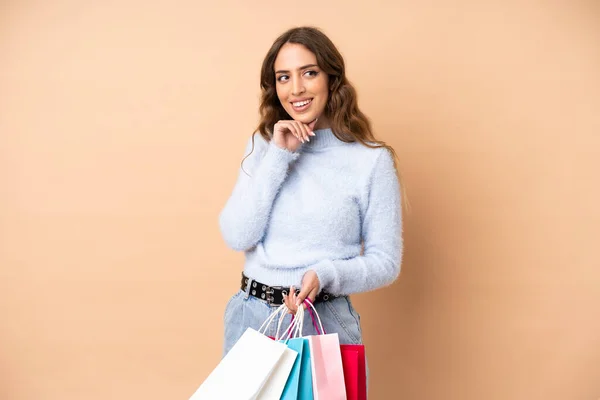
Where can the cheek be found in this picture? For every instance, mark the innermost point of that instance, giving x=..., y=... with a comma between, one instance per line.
x=324, y=93
x=281, y=95
x=323, y=89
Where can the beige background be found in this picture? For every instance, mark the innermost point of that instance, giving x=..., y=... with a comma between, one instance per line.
x=122, y=124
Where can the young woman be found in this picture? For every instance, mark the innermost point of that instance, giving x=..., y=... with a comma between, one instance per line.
x=317, y=203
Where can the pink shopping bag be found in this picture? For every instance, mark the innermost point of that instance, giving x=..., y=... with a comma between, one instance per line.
x=353, y=362
x=326, y=363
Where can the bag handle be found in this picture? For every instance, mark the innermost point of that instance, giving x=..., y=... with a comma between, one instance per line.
x=297, y=326
x=313, y=312
x=270, y=318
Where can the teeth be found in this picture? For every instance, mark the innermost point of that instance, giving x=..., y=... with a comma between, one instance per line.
x=301, y=103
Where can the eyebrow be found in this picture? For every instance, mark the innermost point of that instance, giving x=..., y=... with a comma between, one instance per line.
x=281, y=71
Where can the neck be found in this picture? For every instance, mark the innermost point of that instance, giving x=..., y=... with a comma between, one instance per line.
x=322, y=123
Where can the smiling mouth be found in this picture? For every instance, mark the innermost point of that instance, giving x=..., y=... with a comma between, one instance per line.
x=302, y=103
x=300, y=106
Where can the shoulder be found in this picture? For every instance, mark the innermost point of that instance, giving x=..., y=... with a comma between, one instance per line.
x=256, y=146
x=256, y=141
x=371, y=158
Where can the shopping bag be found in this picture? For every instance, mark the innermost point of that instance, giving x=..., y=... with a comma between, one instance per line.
x=247, y=365
x=256, y=368
x=354, y=364
x=275, y=384
x=326, y=364
x=305, y=385
x=299, y=384
x=290, y=391
x=355, y=371
x=327, y=369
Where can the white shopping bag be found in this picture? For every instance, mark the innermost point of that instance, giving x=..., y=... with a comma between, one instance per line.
x=275, y=384
x=273, y=388
x=242, y=373
x=256, y=368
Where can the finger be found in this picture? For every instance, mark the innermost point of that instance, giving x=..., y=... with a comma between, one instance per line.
x=299, y=132
x=313, y=295
x=303, y=294
x=291, y=301
x=290, y=305
x=303, y=131
x=294, y=297
x=306, y=130
x=280, y=127
x=291, y=127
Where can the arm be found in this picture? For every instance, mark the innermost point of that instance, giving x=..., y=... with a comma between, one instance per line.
x=382, y=234
x=244, y=218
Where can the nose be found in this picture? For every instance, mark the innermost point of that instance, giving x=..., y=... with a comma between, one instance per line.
x=298, y=87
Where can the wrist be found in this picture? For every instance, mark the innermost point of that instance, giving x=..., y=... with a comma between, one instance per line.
x=326, y=274
x=283, y=155
x=282, y=147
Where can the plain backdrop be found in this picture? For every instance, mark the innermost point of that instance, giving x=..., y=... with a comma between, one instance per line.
x=122, y=126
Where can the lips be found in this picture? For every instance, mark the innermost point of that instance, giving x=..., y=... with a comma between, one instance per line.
x=301, y=105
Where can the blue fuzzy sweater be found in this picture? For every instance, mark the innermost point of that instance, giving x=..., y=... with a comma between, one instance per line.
x=311, y=209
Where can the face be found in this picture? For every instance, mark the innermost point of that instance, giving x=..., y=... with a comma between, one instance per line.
x=302, y=87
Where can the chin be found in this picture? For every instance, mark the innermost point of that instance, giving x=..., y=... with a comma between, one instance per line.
x=306, y=119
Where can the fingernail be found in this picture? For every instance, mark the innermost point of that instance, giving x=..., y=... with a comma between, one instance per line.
x=308, y=139
x=312, y=133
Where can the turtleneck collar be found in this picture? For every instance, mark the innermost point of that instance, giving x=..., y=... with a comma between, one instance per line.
x=323, y=138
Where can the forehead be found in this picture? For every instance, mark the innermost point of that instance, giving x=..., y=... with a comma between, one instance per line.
x=292, y=56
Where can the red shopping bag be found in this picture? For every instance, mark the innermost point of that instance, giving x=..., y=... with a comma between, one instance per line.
x=355, y=371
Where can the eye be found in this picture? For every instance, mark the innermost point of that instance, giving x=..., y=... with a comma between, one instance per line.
x=311, y=73
x=282, y=78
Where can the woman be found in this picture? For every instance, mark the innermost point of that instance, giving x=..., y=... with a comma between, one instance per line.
x=314, y=188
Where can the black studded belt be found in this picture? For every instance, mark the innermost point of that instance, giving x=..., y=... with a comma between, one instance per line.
x=273, y=295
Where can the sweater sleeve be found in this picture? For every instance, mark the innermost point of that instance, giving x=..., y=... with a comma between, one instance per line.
x=379, y=265
x=243, y=220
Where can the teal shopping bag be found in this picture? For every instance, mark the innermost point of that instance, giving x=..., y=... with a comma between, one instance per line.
x=290, y=391
x=299, y=383
x=305, y=385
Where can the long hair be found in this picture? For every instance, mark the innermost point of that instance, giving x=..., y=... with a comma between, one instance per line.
x=348, y=123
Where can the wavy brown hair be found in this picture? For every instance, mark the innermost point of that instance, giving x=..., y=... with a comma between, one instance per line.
x=347, y=122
